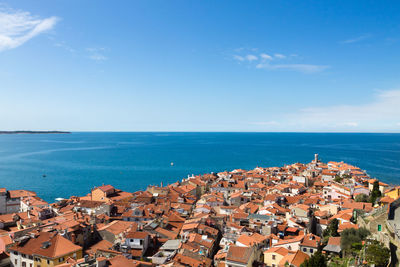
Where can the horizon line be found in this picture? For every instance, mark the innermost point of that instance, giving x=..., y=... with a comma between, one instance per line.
x=173, y=131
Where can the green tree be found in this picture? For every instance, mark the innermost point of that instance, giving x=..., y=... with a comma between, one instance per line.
x=361, y=198
x=376, y=253
x=375, y=193
x=316, y=260
x=338, y=179
x=312, y=225
x=332, y=229
x=351, y=237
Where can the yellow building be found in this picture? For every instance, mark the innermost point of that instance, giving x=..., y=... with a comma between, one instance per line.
x=274, y=255
x=393, y=193
x=102, y=193
x=44, y=250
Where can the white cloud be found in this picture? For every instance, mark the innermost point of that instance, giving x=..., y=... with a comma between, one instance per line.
x=275, y=62
x=248, y=58
x=18, y=27
x=356, y=39
x=251, y=57
x=96, y=53
x=265, y=56
x=280, y=56
x=305, y=68
x=239, y=58
x=381, y=114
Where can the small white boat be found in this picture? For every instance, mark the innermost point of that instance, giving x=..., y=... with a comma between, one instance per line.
x=172, y=164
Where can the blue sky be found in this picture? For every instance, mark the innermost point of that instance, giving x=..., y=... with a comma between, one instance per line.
x=200, y=65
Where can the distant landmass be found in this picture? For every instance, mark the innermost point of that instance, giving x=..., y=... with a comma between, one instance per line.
x=34, y=132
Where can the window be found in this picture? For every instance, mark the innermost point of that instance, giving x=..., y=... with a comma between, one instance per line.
x=379, y=227
x=141, y=242
x=30, y=264
x=16, y=262
x=311, y=250
x=61, y=259
x=23, y=264
x=304, y=249
x=48, y=262
x=131, y=240
x=273, y=257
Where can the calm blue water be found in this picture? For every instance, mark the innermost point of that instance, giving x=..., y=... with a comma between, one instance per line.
x=76, y=162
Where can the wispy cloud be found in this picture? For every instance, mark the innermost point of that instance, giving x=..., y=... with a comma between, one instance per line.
x=265, y=56
x=280, y=56
x=64, y=46
x=275, y=61
x=251, y=58
x=381, y=113
x=238, y=58
x=18, y=27
x=356, y=39
x=305, y=68
x=97, y=53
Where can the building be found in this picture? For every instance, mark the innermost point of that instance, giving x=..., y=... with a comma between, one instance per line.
x=10, y=201
x=333, y=245
x=92, y=207
x=294, y=259
x=240, y=257
x=43, y=250
x=274, y=255
x=137, y=243
x=310, y=244
x=115, y=231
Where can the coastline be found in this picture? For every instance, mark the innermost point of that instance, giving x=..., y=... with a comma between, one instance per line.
x=300, y=209
x=35, y=132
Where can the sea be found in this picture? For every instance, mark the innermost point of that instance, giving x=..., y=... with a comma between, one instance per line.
x=64, y=165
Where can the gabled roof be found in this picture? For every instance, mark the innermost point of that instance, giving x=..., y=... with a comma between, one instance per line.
x=249, y=241
x=120, y=260
x=295, y=259
x=297, y=239
x=20, y=193
x=102, y=244
x=311, y=240
x=118, y=227
x=239, y=254
x=107, y=188
x=137, y=235
x=48, y=245
x=333, y=244
x=279, y=250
